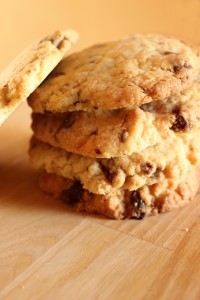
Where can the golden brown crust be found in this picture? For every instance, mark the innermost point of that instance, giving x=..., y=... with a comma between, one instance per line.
x=135, y=70
x=30, y=68
x=146, y=201
x=165, y=161
x=114, y=133
x=101, y=133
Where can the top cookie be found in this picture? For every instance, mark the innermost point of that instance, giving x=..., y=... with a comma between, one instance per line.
x=132, y=71
x=30, y=68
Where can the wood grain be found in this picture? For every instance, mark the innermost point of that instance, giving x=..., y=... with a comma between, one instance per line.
x=48, y=251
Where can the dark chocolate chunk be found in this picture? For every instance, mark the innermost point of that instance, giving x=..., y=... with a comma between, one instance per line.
x=176, y=111
x=135, y=207
x=140, y=215
x=136, y=200
x=105, y=171
x=73, y=195
x=177, y=68
x=98, y=151
x=112, y=175
x=108, y=174
x=179, y=124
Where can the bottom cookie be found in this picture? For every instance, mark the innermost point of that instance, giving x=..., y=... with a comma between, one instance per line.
x=146, y=201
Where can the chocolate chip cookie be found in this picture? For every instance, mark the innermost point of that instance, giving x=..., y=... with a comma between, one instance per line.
x=164, y=161
x=30, y=68
x=146, y=201
x=125, y=73
x=113, y=133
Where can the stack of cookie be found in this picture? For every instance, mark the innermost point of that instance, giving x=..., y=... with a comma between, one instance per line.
x=116, y=127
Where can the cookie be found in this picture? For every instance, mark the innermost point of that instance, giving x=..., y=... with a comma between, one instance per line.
x=30, y=68
x=147, y=201
x=125, y=73
x=113, y=133
x=101, y=133
x=167, y=160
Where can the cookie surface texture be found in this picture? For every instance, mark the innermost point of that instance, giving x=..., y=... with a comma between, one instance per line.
x=30, y=68
x=132, y=71
x=165, y=161
x=113, y=133
x=138, y=204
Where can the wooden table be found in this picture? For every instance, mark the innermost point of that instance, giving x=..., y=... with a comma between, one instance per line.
x=48, y=251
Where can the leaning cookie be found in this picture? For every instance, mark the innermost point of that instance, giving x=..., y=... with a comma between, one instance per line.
x=146, y=201
x=30, y=68
x=114, y=133
x=132, y=71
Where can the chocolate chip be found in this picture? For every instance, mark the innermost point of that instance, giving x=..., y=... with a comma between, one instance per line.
x=74, y=194
x=105, y=171
x=179, y=124
x=146, y=168
x=68, y=122
x=136, y=207
x=136, y=200
x=108, y=174
x=157, y=172
x=124, y=135
x=98, y=151
x=112, y=175
x=140, y=215
x=176, y=110
x=177, y=68
x=168, y=53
